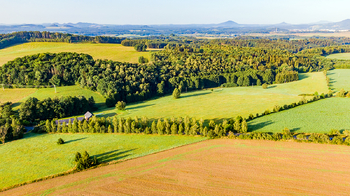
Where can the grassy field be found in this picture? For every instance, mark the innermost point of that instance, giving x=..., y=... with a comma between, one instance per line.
x=114, y=52
x=37, y=156
x=342, y=56
x=318, y=117
x=226, y=102
x=339, y=79
x=214, y=167
x=15, y=95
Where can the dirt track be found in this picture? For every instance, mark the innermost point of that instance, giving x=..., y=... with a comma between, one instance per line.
x=215, y=167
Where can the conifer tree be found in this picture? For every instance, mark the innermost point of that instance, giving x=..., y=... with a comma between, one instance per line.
x=97, y=128
x=75, y=128
x=53, y=126
x=48, y=126
x=237, y=126
x=64, y=128
x=85, y=126
x=181, y=129
x=69, y=127
x=103, y=129
x=154, y=128
x=147, y=130
x=174, y=129
x=244, y=126
x=110, y=129
x=160, y=127
x=176, y=93
x=121, y=126
x=205, y=131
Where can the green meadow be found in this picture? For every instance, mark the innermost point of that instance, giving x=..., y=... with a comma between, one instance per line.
x=217, y=104
x=339, y=79
x=341, y=56
x=317, y=117
x=115, y=52
x=38, y=155
x=224, y=102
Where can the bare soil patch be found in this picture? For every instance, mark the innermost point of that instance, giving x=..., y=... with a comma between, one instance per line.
x=215, y=167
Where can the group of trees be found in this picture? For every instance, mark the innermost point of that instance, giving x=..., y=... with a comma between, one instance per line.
x=181, y=126
x=33, y=110
x=10, y=127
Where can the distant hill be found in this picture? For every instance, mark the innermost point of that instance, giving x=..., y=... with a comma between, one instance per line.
x=229, y=23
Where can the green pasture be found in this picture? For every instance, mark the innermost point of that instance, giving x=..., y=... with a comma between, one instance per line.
x=317, y=117
x=37, y=156
x=224, y=102
x=339, y=79
x=115, y=52
x=341, y=56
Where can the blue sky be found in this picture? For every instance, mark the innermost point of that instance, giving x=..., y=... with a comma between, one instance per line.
x=172, y=12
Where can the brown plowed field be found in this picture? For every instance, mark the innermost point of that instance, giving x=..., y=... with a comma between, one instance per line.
x=214, y=167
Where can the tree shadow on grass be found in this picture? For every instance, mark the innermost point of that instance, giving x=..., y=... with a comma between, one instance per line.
x=16, y=104
x=138, y=107
x=274, y=86
x=108, y=115
x=70, y=141
x=303, y=76
x=295, y=129
x=194, y=95
x=113, y=155
x=253, y=127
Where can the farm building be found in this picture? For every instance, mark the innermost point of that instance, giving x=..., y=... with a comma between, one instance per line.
x=87, y=116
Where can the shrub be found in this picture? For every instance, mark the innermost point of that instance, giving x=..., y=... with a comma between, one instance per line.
x=346, y=132
x=334, y=132
x=60, y=141
x=337, y=140
x=251, y=116
x=267, y=112
x=120, y=105
x=264, y=86
x=84, y=161
x=176, y=93
x=277, y=108
x=143, y=59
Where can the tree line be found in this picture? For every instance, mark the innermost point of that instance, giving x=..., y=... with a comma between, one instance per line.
x=175, y=126
x=7, y=40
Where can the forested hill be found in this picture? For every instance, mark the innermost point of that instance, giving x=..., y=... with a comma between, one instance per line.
x=175, y=67
x=7, y=40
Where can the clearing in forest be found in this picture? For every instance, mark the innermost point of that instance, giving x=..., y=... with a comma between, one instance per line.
x=214, y=167
x=115, y=52
x=38, y=155
x=339, y=79
x=317, y=117
x=341, y=56
x=225, y=102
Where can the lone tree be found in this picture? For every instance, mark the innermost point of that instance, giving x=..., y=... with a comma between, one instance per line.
x=60, y=141
x=140, y=47
x=120, y=105
x=143, y=59
x=264, y=86
x=176, y=93
x=84, y=161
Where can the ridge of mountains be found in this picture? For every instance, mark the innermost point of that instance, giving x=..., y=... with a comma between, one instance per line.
x=225, y=27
